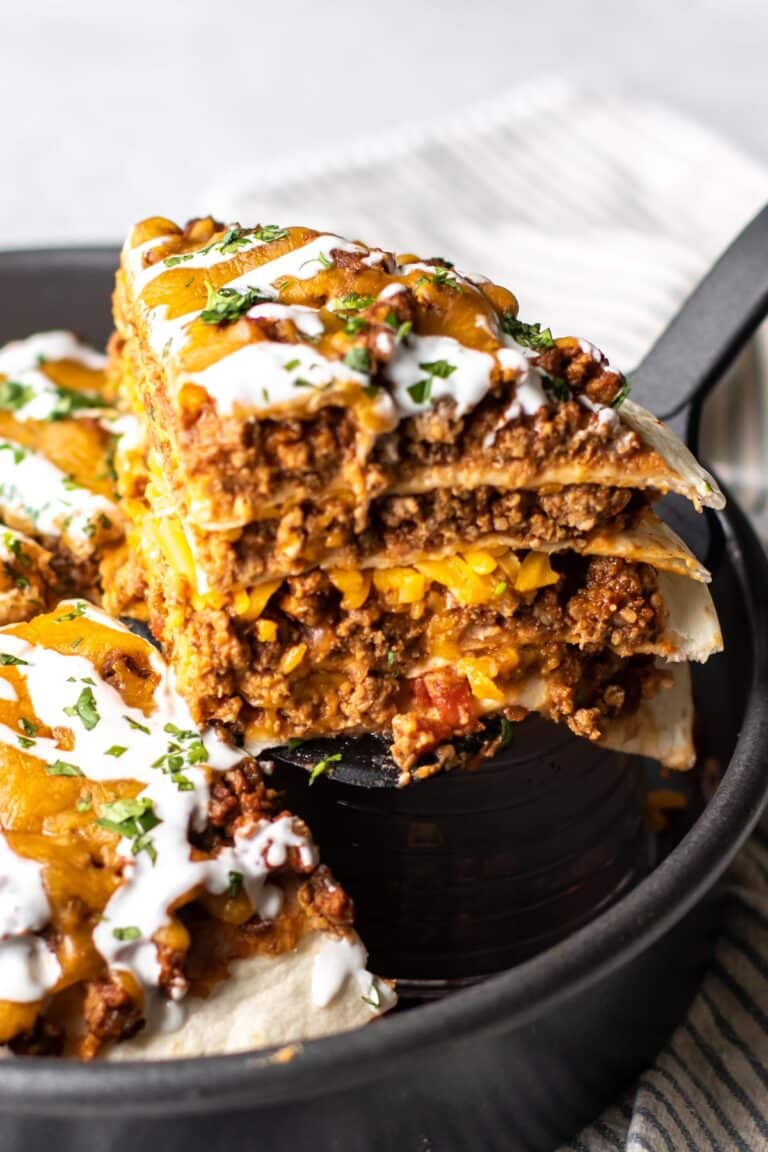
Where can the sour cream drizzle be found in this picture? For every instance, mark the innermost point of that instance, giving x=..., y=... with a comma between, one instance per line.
x=152, y=882
x=19, y=355
x=48, y=503
x=339, y=960
x=270, y=375
x=28, y=968
x=415, y=362
x=37, y=397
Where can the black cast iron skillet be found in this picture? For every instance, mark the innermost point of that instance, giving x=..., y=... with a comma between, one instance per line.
x=521, y=1059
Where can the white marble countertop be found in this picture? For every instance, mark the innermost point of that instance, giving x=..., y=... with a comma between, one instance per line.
x=112, y=111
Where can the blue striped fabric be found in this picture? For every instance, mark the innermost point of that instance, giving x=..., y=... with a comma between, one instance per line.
x=601, y=215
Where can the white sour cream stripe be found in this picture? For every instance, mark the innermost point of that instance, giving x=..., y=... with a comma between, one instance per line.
x=341, y=959
x=145, y=274
x=41, y=496
x=301, y=263
x=21, y=363
x=269, y=374
x=20, y=355
x=28, y=968
x=307, y=320
x=422, y=360
x=152, y=882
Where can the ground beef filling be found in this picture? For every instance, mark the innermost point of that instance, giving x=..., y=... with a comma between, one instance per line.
x=330, y=669
x=398, y=526
x=597, y=602
x=232, y=462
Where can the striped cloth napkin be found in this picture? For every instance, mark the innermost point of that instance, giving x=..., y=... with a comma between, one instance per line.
x=601, y=215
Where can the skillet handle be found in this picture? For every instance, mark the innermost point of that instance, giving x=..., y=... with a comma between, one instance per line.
x=710, y=329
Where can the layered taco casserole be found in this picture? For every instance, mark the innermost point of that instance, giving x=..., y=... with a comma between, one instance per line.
x=351, y=492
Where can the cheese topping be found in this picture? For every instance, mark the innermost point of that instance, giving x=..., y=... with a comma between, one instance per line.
x=455, y=349
x=97, y=735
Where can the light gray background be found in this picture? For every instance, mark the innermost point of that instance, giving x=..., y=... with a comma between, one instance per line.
x=110, y=111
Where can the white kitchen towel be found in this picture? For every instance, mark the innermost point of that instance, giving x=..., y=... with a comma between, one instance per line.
x=600, y=213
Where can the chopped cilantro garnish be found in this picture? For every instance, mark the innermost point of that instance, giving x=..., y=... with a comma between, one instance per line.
x=322, y=766
x=622, y=393
x=16, y=451
x=129, y=933
x=14, y=395
x=233, y=241
x=225, y=305
x=372, y=997
x=441, y=278
x=6, y=658
x=352, y=302
x=506, y=733
x=27, y=726
x=85, y=708
x=62, y=768
x=529, y=335
x=181, y=733
x=291, y=365
x=421, y=391
x=25, y=742
x=391, y=657
x=235, y=884
x=67, y=402
x=186, y=749
x=558, y=387
x=133, y=819
x=439, y=368
x=358, y=359
x=85, y=803
x=324, y=260
x=172, y=261
x=136, y=726
x=116, y=750
x=500, y=588
x=270, y=232
x=294, y=743
x=75, y=614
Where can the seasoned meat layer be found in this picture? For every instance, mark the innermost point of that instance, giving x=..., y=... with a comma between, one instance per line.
x=314, y=663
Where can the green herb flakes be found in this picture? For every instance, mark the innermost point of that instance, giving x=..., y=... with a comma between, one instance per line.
x=129, y=933
x=133, y=819
x=62, y=768
x=322, y=766
x=224, y=305
x=622, y=393
x=358, y=359
x=529, y=335
x=79, y=610
x=235, y=884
